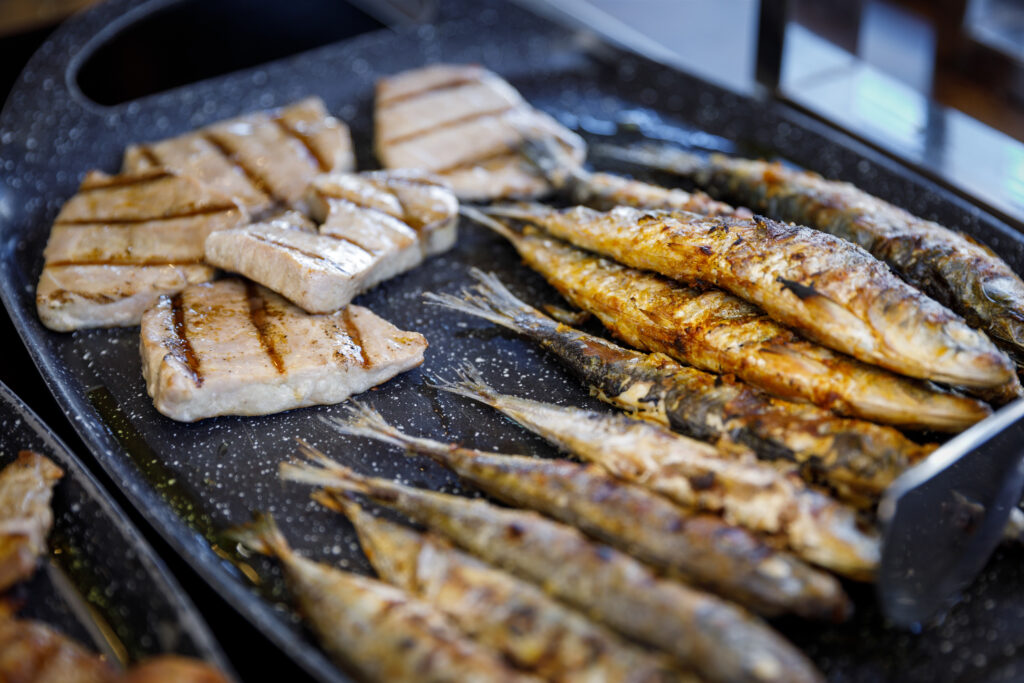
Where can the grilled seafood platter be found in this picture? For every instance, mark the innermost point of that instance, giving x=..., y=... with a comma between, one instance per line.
x=765, y=360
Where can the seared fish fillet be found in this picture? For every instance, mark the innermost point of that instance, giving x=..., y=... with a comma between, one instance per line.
x=375, y=226
x=697, y=475
x=498, y=610
x=714, y=331
x=32, y=652
x=949, y=266
x=719, y=641
x=700, y=549
x=856, y=458
x=826, y=288
x=26, y=488
x=465, y=124
x=123, y=241
x=262, y=159
x=234, y=348
x=379, y=630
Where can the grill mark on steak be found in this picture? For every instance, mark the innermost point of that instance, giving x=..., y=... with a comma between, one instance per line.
x=123, y=181
x=304, y=140
x=113, y=220
x=180, y=345
x=353, y=332
x=258, y=317
x=252, y=175
x=462, y=120
x=309, y=254
x=453, y=83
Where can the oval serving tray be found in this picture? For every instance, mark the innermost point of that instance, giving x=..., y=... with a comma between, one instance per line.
x=191, y=481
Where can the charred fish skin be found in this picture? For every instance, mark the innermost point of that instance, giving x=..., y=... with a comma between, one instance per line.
x=376, y=628
x=701, y=549
x=717, y=332
x=26, y=489
x=949, y=266
x=719, y=641
x=857, y=459
x=826, y=288
x=495, y=608
x=695, y=474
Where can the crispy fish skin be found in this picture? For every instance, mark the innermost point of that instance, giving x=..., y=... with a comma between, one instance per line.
x=714, y=331
x=718, y=640
x=826, y=288
x=26, y=488
x=502, y=612
x=857, y=459
x=700, y=549
x=949, y=266
x=376, y=628
x=697, y=475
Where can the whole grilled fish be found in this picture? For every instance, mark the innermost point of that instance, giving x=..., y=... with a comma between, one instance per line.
x=701, y=549
x=695, y=474
x=720, y=641
x=495, y=608
x=26, y=488
x=379, y=630
x=856, y=458
x=714, y=331
x=831, y=291
x=949, y=266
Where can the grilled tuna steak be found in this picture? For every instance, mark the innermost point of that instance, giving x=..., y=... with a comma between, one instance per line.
x=123, y=241
x=234, y=348
x=26, y=488
x=262, y=159
x=464, y=123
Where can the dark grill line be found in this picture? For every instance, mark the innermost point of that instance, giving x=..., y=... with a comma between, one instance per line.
x=476, y=161
x=254, y=178
x=114, y=220
x=126, y=180
x=150, y=155
x=452, y=123
x=258, y=317
x=359, y=205
x=309, y=254
x=180, y=345
x=307, y=143
x=451, y=84
x=353, y=332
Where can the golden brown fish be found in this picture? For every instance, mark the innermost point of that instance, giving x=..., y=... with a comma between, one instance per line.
x=858, y=459
x=714, y=331
x=698, y=548
x=32, y=652
x=505, y=613
x=378, y=629
x=720, y=641
x=949, y=266
x=696, y=474
x=26, y=488
x=826, y=288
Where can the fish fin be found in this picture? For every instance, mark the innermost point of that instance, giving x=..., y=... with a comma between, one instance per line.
x=470, y=384
x=364, y=420
x=261, y=535
x=478, y=216
x=520, y=211
x=338, y=501
x=319, y=470
x=489, y=300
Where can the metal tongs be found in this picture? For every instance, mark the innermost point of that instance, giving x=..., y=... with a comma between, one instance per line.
x=943, y=518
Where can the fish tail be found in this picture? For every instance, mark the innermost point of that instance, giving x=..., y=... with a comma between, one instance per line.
x=489, y=300
x=548, y=157
x=660, y=157
x=470, y=384
x=319, y=470
x=338, y=501
x=530, y=212
x=478, y=216
x=364, y=420
x=261, y=535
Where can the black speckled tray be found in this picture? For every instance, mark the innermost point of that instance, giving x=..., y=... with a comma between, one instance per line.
x=191, y=481
x=135, y=608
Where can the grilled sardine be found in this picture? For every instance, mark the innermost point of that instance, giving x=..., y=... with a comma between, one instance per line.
x=858, y=459
x=701, y=549
x=234, y=348
x=375, y=226
x=464, y=123
x=495, y=608
x=381, y=631
x=123, y=241
x=714, y=331
x=719, y=641
x=697, y=475
x=264, y=159
x=32, y=652
x=826, y=288
x=26, y=488
x=949, y=266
